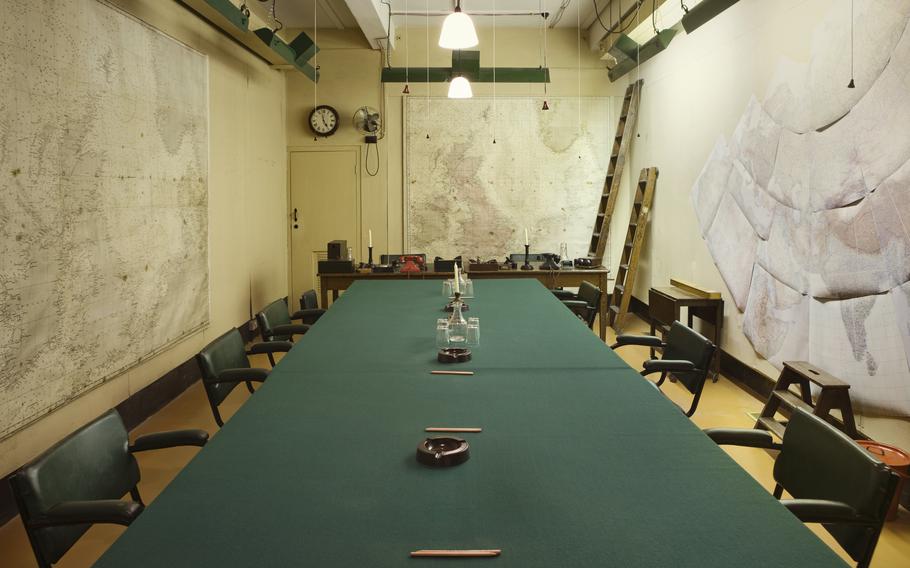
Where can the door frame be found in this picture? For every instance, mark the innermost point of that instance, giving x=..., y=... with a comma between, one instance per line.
x=358, y=151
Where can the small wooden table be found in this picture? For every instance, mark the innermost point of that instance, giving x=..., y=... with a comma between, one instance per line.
x=664, y=307
x=570, y=277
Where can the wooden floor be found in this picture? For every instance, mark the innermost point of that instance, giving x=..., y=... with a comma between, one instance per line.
x=723, y=404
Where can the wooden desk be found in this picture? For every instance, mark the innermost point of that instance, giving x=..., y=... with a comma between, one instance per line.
x=664, y=307
x=566, y=277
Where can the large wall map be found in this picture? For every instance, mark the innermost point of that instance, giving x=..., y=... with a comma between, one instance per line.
x=806, y=210
x=103, y=199
x=467, y=195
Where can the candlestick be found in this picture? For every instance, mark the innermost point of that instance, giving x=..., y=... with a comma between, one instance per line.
x=527, y=242
x=370, y=244
x=457, y=283
x=527, y=265
x=370, y=259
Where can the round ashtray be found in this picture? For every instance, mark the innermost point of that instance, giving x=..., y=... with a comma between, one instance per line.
x=453, y=355
x=442, y=452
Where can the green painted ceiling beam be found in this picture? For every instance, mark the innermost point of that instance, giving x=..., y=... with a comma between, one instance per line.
x=701, y=14
x=466, y=63
x=648, y=50
x=289, y=52
x=234, y=14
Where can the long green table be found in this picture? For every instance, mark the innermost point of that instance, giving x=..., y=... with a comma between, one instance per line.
x=580, y=462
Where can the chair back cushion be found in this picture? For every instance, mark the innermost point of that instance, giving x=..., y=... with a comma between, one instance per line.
x=272, y=315
x=818, y=461
x=684, y=343
x=226, y=352
x=589, y=293
x=309, y=301
x=93, y=463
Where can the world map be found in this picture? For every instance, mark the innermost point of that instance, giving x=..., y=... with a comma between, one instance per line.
x=103, y=199
x=480, y=171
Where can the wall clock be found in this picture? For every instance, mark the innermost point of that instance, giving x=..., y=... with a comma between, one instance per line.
x=324, y=120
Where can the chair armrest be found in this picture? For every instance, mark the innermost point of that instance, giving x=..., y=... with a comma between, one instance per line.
x=748, y=437
x=579, y=307
x=290, y=329
x=108, y=511
x=270, y=347
x=308, y=316
x=667, y=366
x=645, y=340
x=172, y=439
x=823, y=511
x=240, y=375
x=564, y=294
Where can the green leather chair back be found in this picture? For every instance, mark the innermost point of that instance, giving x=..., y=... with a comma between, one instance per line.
x=92, y=463
x=818, y=461
x=309, y=300
x=684, y=343
x=272, y=315
x=226, y=352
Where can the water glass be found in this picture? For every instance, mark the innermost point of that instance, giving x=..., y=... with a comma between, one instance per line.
x=473, y=335
x=442, y=333
x=447, y=291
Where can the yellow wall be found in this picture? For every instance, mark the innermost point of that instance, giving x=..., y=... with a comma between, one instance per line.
x=695, y=92
x=350, y=73
x=247, y=192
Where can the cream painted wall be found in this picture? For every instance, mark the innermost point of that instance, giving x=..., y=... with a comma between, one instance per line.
x=350, y=73
x=247, y=194
x=695, y=92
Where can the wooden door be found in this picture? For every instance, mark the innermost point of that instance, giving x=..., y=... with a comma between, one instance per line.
x=325, y=196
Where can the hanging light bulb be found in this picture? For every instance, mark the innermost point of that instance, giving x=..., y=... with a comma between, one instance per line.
x=460, y=88
x=458, y=30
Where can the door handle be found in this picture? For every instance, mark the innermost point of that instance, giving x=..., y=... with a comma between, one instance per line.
x=295, y=218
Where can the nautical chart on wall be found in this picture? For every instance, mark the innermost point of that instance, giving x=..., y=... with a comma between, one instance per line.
x=103, y=199
x=467, y=195
x=806, y=210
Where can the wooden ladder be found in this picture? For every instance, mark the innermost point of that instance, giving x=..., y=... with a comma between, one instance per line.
x=835, y=394
x=635, y=235
x=621, y=143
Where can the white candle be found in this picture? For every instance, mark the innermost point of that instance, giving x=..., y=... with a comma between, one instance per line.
x=371, y=238
x=457, y=285
x=527, y=242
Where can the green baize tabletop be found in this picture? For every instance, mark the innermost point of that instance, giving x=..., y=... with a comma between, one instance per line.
x=580, y=463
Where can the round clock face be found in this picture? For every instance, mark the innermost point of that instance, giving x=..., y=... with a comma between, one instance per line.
x=324, y=120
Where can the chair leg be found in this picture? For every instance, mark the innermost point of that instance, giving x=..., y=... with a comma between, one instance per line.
x=271, y=360
x=134, y=493
x=217, y=416
x=249, y=387
x=778, y=491
x=663, y=377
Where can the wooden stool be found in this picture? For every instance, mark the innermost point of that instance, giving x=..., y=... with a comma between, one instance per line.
x=835, y=394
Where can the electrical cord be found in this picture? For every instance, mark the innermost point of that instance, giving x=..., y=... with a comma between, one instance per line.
x=372, y=173
x=631, y=18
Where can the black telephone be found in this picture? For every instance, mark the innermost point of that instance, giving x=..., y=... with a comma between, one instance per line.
x=551, y=261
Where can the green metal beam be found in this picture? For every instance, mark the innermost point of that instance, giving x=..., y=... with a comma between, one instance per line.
x=467, y=64
x=233, y=14
x=289, y=52
x=701, y=14
x=650, y=48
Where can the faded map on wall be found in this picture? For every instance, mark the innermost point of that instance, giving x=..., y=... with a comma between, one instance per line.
x=467, y=195
x=103, y=199
x=806, y=210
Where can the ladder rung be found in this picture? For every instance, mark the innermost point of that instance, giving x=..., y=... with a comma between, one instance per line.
x=628, y=244
x=624, y=267
x=791, y=400
x=633, y=224
x=615, y=309
x=772, y=425
x=601, y=214
x=619, y=287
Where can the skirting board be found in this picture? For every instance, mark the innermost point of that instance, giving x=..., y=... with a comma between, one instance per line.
x=135, y=410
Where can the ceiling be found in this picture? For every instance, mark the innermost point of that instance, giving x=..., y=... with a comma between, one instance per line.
x=336, y=14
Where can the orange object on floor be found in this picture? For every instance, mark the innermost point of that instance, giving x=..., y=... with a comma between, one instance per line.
x=895, y=458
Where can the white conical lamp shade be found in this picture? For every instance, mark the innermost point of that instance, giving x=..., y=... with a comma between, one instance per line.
x=460, y=88
x=457, y=31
